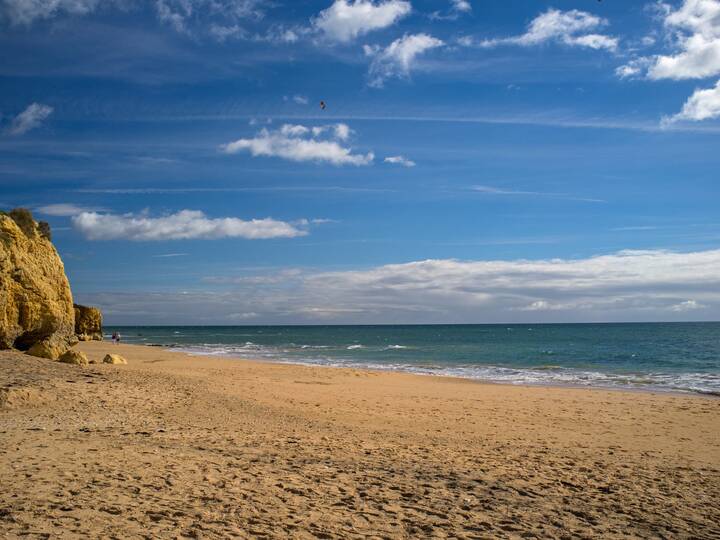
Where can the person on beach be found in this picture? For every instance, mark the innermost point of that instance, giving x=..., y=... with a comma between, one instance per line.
x=114, y=337
x=117, y=338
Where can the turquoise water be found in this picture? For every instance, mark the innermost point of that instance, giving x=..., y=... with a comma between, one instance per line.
x=663, y=356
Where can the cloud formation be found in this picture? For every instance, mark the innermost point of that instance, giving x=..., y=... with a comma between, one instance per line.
x=64, y=209
x=572, y=28
x=622, y=286
x=456, y=9
x=701, y=105
x=302, y=143
x=28, y=11
x=491, y=190
x=179, y=14
x=183, y=225
x=398, y=58
x=34, y=115
x=400, y=160
x=463, y=6
x=695, y=27
x=216, y=18
x=345, y=20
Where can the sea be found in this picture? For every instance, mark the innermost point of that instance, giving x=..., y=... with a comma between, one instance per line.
x=674, y=357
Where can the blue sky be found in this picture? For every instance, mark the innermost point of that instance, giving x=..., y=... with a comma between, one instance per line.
x=476, y=161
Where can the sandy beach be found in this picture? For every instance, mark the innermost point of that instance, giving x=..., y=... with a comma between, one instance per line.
x=173, y=446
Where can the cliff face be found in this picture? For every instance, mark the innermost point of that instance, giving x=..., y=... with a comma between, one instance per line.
x=36, y=306
x=88, y=323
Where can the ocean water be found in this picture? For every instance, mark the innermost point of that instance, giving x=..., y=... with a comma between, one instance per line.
x=682, y=357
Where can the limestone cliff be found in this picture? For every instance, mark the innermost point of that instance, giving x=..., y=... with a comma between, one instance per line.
x=36, y=306
x=88, y=323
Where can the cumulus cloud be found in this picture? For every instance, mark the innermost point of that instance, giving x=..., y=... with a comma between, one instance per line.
x=345, y=20
x=622, y=286
x=573, y=28
x=695, y=25
x=397, y=59
x=400, y=160
x=693, y=29
x=702, y=105
x=183, y=225
x=64, y=209
x=302, y=143
x=30, y=118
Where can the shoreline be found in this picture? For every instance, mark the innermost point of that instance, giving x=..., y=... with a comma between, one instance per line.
x=478, y=380
x=178, y=445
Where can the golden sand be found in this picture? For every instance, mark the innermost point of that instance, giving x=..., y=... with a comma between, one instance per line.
x=177, y=446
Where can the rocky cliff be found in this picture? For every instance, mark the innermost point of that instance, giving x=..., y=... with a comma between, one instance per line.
x=88, y=323
x=36, y=305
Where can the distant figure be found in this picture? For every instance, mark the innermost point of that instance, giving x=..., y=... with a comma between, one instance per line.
x=117, y=338
x=322, y=105
x=114, y=337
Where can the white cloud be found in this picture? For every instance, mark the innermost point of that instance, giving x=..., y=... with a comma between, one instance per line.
x=347, y=19
x=634, y=280
x=461, y=5
x=293, y=130
x=594, y=41
x=457, y=8
x=183, y=225
x=465, y=41
x=174, y=14
x=28, y=11
x=573, y=28
x=687, y=305
x=400, y=160
x=695, y=26
x=701, y=105
x=648, y=41
x=300, y=100
x=342, y=131
x=491, y=190
x=218, y=18
x=30, y=118
x=397, y=59
x=622, y=286
x=633, y=68
x=64, y=209
x=279, y=33
x=302, y=143
x=223, y=33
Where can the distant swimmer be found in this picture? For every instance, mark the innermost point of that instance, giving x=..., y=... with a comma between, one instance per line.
x=322, y=105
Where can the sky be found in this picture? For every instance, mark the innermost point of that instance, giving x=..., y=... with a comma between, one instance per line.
x=368, y=162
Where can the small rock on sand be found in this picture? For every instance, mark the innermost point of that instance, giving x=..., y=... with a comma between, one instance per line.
x=114, y=359
x=74, y=357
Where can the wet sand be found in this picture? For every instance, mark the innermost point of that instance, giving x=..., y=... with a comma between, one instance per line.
x=177, y=446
